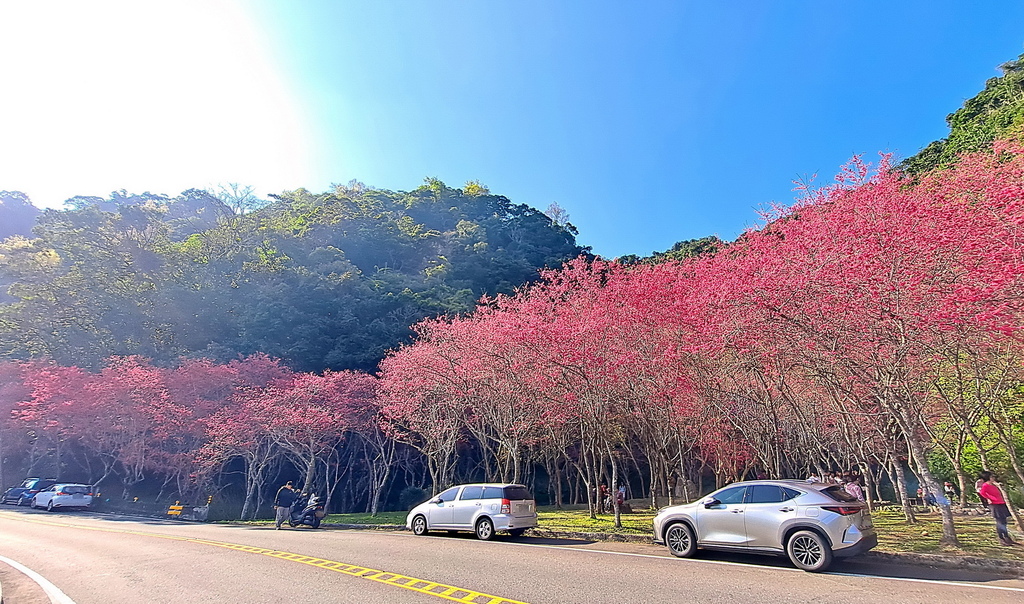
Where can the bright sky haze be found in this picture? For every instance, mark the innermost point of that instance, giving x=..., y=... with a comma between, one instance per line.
x=649, y=122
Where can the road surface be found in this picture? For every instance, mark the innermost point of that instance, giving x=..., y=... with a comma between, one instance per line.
x=93, y=559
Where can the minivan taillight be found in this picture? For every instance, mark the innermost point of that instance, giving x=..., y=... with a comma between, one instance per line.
x=506, y=506
x=842, y=510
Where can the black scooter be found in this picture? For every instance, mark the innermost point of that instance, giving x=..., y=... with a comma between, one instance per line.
x=306, y=512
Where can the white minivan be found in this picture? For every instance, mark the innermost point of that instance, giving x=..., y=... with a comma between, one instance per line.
x=483, y=508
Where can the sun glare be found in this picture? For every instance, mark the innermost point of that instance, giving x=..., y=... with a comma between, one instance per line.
x=114, y=94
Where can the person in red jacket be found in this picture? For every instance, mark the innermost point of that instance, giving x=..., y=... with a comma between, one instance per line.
x=990, y=491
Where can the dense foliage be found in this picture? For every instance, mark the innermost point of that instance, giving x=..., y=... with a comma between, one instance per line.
x=876, y=323
x=322, y=281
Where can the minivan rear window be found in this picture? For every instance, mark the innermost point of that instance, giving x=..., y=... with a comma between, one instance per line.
x=839, y=494
x=517, y=493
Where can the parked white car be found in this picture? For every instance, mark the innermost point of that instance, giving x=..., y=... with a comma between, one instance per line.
x=64, y=495
x=482, y=508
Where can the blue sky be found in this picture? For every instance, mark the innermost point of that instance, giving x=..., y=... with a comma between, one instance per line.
x=649, y=122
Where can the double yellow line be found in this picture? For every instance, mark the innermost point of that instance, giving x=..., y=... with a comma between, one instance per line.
x=430, y=588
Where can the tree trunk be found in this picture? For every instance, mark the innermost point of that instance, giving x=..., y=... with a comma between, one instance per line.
x=901, y=491
x=921, y=462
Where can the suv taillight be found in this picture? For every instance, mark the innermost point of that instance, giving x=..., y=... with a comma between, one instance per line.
x=842, y=510
x=506, y=506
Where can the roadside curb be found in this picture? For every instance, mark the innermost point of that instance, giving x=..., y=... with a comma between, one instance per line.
x=1007, y=568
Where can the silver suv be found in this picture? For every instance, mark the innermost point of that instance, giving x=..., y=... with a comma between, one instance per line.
x=483, y=508
x=809, y=522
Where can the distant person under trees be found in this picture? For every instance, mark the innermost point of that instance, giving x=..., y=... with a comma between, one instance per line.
x=283, y=504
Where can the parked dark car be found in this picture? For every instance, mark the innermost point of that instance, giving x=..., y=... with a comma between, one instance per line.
x=23, y=493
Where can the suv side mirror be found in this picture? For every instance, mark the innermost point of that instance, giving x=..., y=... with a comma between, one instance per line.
x=710, y=501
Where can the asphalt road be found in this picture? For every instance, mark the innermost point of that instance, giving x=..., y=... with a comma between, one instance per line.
x=92, y=558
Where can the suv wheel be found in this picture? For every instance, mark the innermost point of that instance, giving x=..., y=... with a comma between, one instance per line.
x=809, y=551
x=485, y=529
x=681, y=541
x=419, y=526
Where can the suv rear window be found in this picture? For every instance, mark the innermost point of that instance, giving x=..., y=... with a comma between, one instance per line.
x=517, y=492
x=839, y=494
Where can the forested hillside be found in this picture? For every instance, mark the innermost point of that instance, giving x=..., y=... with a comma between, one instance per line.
x=995, y=112
x=322, y=281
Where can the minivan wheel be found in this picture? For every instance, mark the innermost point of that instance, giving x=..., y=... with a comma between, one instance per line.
x=485, y=529
x=419, y=525
x=681, y=541
x=809, y=551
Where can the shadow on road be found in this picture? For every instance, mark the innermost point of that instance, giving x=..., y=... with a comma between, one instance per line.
x=865, y=565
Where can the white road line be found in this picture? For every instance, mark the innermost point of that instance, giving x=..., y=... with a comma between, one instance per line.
x=56, y=595
x=772, y=568
x=931, y=581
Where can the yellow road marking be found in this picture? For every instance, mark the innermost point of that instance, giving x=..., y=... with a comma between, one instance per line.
x=430, y=588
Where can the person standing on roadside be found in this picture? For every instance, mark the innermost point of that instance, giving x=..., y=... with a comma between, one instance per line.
x=283, y=504
x=977, y=488
x=990, y=491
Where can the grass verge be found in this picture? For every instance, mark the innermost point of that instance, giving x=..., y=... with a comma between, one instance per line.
x=977, y=534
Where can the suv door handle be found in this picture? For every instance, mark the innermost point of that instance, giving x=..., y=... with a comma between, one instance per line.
x=787, y=509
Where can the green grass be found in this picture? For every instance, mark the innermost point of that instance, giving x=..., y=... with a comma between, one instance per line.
x=639, y=523
x=380, y=518
x=977, y=534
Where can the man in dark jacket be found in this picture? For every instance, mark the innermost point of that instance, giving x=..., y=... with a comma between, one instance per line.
x=283, y=503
